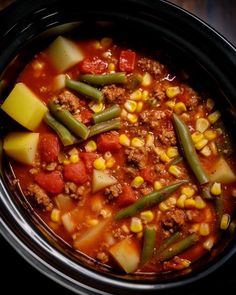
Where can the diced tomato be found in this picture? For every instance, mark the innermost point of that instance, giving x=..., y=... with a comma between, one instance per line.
x=49, y=147
x=108, y=142
x=148, y=175
x=127, y=61
x=88, y=159
x=76, y=173
x=86, y=116
x=127, y=197
x=93, y=65
x=52, y=182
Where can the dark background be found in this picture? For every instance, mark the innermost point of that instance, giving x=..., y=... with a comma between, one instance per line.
x=19, y=277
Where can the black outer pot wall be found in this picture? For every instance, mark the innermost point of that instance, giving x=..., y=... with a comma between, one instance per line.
x=19, y=24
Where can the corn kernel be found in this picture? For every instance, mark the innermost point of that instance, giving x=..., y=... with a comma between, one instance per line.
x=97, y=107
x=107, y=155
x=136, y=95
x=174, y=170
x=206, y=151
x=147, y=216
x=213, y=148
x=171, y=201
x=213, y=117
x=158, y=150
x=92, y=222
x=55, y=215
x=106, y=42
x=225, y=221
x=123, y=113
x=132, y=118
x=73, y=151
x=97, y=45
x=137, y=182
x=195, y=227
x=216, y=189
x=179, y=108
x=157, y=185
x=172, y=152
x=199, y=203
x=170, y=104
x=149, y=139
x=111, y=67
x=66, y=162
x=210, y=104
x=136, y=225
x=210, y=134
x=145, y=95
x=139, y=106
x=202, y=124
x=74, y=159
x=61, y=157
x=124, y=140
x=188, y=191
x=164, y=158
x=99, y=164
x=197, y=136
x=172, y=91
x=147, y=79
x=163, y=207
x=137, y=142
x=110, y=162
x=200, y=144
x=208, y=244
x=204, y=229
x=91, y=146
x=181, y=200
x=130, y=105
x=125, y=228
x=189, y=203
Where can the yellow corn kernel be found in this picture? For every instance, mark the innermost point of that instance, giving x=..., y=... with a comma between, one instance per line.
x=174, y=170
x=179, y=108
x=145, y=95
x=74, y=159
x=185, y=117
x=136, y=225
x=189, y=203
x=206, y=151
x=147, y=79
x=202, y=124
x=97, y=45
x=55, y=215
x=163, y=207
x=157, y=185
x=149, y=139
x=137, y=142
x=181, y=200
x=204, y=229
x=197, y=136
x=97, y=107
x=208, y=244
x=172, y=91
x=66, y=162
x=106, y=42
x=164, y=158
x=216, y=189
x=147, y=216
x=158, y=150
x=171, y=201
x=139, y=106
x=210, y=134
x=172, y=152
x=200, y=144
x=170, y=104
x=210, y=104
x=124, y=140
x=107, y=155
x=130, y=105
x=111, y=67
x=132, y=118
x=213, y=117
x=199, y=203
x=91, y=146
x=110, y=162
x=123, y=113
x=188, y=191
x=225, y=221
x=99, y=164
x=137, y=182
x=195, y=227
x=136, y=95
x=213, y=148
x=92, y=222
x=125, y=228
x=73, y=151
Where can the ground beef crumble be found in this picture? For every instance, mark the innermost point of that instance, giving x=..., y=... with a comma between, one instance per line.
x=173, y=219
x=113, y=191
x=136, y=156
x=68, y=100
x=112, y=93
x=151, y=66
x=40, y=196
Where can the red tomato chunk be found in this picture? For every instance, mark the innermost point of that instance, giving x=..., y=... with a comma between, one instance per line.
x=76, y=173
x=51, y=182
x=108, y=142
x=127, y=197
x=86, y=116
x=93, y=65
x=148, y=175
x=127, y=61
x=49, y=147
x=88, y=159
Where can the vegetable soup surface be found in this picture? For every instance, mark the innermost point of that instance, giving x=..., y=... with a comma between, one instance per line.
x=120, y=157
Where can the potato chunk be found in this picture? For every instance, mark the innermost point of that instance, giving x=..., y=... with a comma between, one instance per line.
x=126, y=254
x=24, y=107
x=101, y=180
x=221, y=172
x=21, y=146
x=64, y=54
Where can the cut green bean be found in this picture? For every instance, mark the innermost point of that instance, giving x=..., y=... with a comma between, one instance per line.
x=63, y=133
x=149, y=200
x=107, y=114
x=134, y=81
x=168, y=241
x=178, y=247
x=104, y=126
x=85, y=89
x=176, y=161
x=189, y=151
x=106, y=79
x=66, y=118
x=149, y=242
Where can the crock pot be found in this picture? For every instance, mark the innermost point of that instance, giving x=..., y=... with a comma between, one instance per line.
x=26, y=28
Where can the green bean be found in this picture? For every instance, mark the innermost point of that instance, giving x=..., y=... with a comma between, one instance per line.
x=189, y=151
x=168, y=241
x=66, y=118
x=148, y=243
x=64, y=134
x=176, y=161
x=206, y=192
x=178, y=247
x=107, y=114
x=85, y=89
x=134, y=81
x=148, y=200
x=106, y=79
x=104, y=126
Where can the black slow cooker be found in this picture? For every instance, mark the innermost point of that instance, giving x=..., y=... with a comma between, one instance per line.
x=26, y=28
